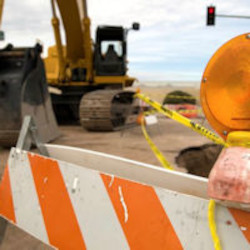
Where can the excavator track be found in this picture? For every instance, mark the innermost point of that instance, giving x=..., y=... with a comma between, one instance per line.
x=108, y=110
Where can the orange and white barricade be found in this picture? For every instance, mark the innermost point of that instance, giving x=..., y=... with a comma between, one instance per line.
x=91, y=200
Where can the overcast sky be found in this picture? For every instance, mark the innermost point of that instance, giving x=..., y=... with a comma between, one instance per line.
x=174, y=42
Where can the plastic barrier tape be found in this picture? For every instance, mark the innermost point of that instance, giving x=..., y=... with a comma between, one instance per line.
x=183, y=111
x=183, y=120
x=155, y=150
x=212, y=225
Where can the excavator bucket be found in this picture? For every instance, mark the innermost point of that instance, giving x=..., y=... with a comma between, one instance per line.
x=24, y=91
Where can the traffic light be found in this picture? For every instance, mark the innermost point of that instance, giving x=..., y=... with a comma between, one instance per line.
x=210, y=15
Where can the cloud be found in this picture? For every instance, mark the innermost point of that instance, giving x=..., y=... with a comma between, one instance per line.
x=173, y=39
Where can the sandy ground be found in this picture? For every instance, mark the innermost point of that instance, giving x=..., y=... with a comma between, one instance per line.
x=166, y=134
x=169, y=136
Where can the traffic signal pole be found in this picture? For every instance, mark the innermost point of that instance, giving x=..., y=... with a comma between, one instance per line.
x=233, y=16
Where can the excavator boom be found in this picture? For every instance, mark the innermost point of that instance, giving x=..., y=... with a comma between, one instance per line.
x=1, y=11
x=71, y=18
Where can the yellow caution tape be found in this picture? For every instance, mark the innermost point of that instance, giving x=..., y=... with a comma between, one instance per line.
x=156, y=151
x=182, y=111
x=183, y=120
x=212, y=225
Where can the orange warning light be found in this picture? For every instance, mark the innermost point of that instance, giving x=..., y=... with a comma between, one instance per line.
x=225, y=87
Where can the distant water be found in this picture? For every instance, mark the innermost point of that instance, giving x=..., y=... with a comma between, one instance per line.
x=159, y=84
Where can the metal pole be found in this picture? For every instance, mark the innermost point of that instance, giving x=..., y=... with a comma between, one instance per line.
x=233, y=16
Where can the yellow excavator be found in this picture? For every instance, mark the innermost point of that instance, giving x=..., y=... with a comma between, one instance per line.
x=89, y=77
x=86, y=79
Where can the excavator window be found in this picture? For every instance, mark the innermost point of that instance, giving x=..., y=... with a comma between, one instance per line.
x=111, y=54
x=110, y=51
x=111, y=47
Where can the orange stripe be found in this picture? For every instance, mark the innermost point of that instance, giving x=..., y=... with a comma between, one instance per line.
x=243, y=220
x=59, y=217
x=148, y=226
x=6, y=202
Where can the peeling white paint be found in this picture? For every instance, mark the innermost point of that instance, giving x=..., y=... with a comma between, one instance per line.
x=18, y=151
x=111, y=181
x=45, y=180
x=31, y=154
x=123, y=204
x=75, y=182
x=243, y=228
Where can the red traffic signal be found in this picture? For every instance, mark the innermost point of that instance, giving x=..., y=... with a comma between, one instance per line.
x=210, y=15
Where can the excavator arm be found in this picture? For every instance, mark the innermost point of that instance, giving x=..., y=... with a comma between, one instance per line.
x=1, y=11
x=77, y=31
x=1, y=14
x=73, y=29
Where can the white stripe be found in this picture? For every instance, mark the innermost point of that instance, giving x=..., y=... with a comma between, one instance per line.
x=26, y=205
x=137, y=171
x=97, y=219
x=188, y=216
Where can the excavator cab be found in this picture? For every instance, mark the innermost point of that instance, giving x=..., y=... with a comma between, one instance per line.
x=110, y=51
x=110, y=55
